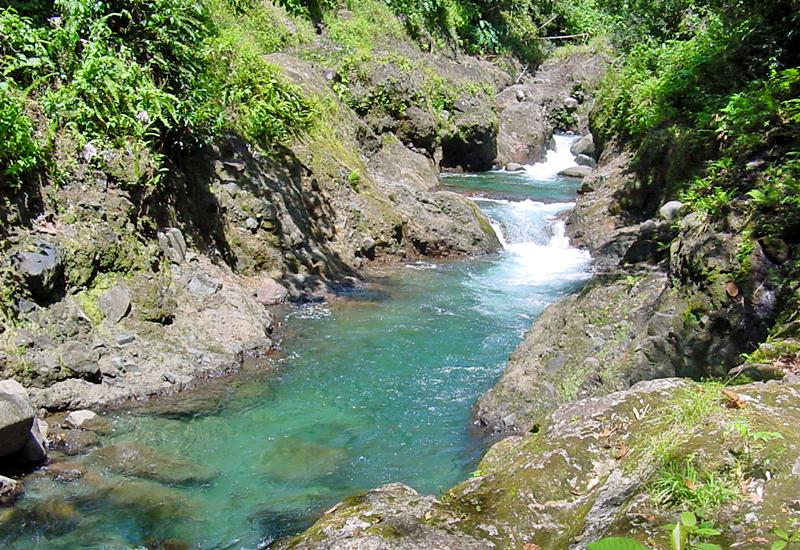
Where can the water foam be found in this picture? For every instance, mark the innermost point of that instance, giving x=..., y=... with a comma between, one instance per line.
x=557, y=160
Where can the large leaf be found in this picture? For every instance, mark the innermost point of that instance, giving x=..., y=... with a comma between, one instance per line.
x=617, y=543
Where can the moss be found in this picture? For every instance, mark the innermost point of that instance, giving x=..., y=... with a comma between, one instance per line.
x=88, y=299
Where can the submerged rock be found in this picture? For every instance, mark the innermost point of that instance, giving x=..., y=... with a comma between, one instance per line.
x=136, y=460
x=295, y=458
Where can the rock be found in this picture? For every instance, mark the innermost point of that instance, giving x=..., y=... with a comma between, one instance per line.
x=419, y=128
x=670, y=210
x=583, y=146
x=115, y=304
x=270, y=292
x=463, y=106
x=570, y=103
x=80, y=360
x=79, y=419
x=35, y=450
x=10, y=490
x=331, y=75
x=251, y=224
x=74, y=442
x=172, y=244
x=136, y=460
x=776, y=249
x=394, y=516
x=576, y=172
x=471, y=145
x=42, y=270
x=124, y=338
x=585, y=160
x=16, y=417
x=202, y=286
x=514, y=167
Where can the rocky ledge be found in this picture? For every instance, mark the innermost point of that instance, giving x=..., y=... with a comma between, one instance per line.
x=601, y=467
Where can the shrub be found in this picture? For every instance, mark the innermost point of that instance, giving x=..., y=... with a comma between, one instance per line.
x=19, y=152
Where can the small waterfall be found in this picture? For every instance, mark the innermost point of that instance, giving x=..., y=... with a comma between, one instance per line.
x=557, y=160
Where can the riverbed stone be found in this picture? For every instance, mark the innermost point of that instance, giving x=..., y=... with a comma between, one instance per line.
x=80, y=419
x=576, y=172
x=35, y=449
x=141, y=461
x=583, y=146
x=80, y=360
x=10, y=490
x=514, y=167
x=270, y=292
x=115, y=304
x=585, y=160
x=16, y=417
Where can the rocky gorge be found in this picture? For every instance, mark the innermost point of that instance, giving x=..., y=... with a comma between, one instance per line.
x=664, y=383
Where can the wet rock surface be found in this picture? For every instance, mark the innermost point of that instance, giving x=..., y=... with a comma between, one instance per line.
x=586, y=474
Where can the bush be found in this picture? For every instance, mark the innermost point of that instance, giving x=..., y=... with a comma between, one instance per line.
x=19, y=152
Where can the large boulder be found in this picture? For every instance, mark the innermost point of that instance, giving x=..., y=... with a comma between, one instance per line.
x=471, y=144
x=16, y=417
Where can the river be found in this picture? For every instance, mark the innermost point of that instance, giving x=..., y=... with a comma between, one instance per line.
x=374, y=387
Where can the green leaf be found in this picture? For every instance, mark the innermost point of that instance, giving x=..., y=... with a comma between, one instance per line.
x=616, y=543
x=688, y=519
x=781, y=533
x=678, y=538
x=706, y=546
x=779, y=545
x=707, y=532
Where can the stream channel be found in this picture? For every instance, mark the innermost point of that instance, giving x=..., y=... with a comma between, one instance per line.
x=371, y=388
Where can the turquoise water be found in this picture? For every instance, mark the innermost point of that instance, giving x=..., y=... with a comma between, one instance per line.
x=374, y=387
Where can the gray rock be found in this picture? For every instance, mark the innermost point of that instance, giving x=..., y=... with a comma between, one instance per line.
x=251, y=224
x=514, y=167
x=125, y=338
x=79, y=419
x=81, y=360
x=41, y=269
x=520, y=95
x=10, y=490
x=570, y=103
x=271, y=292
x=115, y=304
x=35, y=450
x=776, y=249
x=583, y=146
x=202, y=286
x=670, y=210
x=576, y=172
x=462, y=106
x=172, y=244
x=585, y=160
x=16, y=417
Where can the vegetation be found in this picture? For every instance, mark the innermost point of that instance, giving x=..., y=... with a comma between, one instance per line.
x=720, y=83
x=144, y=78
